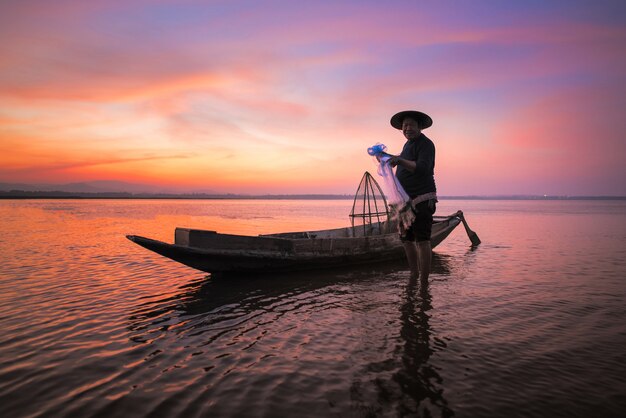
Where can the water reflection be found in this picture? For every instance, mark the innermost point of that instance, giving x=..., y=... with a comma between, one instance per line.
x=417, y=378
x=286, y=330
x=408, y=382
x=206, y=302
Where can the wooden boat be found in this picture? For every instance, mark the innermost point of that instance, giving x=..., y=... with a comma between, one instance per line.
x=374, y=240
x=213, y=252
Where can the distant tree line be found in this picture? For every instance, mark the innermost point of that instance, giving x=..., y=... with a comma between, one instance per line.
x=22, y=194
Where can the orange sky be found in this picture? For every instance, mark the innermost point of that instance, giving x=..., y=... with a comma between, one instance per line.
x=277, y=97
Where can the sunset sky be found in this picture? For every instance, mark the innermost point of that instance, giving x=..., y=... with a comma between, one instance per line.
x=527, y=97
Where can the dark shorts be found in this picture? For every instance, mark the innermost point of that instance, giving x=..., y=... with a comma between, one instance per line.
x=422, y=226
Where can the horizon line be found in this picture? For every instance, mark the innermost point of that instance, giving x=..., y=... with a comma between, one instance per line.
x=59, y=194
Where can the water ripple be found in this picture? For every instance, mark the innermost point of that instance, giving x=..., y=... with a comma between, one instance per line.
x=92, y=325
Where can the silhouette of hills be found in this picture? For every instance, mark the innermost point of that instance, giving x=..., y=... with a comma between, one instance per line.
x=97, y=186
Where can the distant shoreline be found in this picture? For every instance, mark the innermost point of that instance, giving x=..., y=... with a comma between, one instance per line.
x=21, y=195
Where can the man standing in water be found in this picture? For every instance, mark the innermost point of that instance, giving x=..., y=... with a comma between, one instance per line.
x=415, y=172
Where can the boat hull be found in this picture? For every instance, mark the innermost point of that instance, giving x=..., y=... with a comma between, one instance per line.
x=212, y=252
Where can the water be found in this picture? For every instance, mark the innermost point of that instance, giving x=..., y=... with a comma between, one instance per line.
x=532, y=323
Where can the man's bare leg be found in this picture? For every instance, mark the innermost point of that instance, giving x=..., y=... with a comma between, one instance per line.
x=412, y=257
x=424, y=251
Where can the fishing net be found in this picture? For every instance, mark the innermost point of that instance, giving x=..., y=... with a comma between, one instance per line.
x=399, y=202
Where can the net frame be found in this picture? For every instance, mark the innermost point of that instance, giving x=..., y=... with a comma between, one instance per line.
x=370, y=207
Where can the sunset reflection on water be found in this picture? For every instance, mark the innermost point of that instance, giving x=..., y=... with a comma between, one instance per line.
x=93, y=324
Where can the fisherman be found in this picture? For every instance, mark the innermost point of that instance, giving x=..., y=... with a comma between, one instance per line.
x=415, y=172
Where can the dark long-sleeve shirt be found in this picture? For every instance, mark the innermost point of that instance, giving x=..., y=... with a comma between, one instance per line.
x=422, y=180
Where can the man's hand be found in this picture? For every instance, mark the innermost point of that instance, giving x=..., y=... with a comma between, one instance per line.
x=408, y=164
